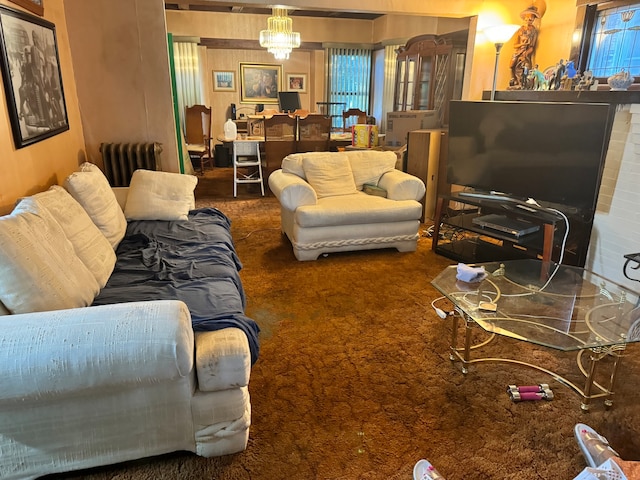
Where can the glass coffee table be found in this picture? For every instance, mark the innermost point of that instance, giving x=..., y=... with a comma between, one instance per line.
x=557, y=306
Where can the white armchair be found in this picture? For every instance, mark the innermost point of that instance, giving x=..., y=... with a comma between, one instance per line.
x=324, y=207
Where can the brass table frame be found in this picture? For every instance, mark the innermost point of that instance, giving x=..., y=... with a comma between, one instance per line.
x=596, y=354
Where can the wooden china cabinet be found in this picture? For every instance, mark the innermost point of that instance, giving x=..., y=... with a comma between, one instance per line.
x=430, y=70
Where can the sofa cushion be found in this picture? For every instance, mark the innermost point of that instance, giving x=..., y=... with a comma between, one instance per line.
x=89, y=167
x=329, y=175
x=39, y=269
x=92, y=190
x=88, y=242
x=355, y=209
x=292, y=163
x=368, y=166
x=160, y=196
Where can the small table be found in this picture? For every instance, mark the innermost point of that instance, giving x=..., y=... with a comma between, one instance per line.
x=557, y=306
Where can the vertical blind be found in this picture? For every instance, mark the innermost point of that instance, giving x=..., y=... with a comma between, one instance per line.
x=349, y=78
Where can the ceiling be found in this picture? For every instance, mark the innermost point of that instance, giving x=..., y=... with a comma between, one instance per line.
x=230, y=7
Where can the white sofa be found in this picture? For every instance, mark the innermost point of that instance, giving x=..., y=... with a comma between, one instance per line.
x=84, y=386
x=324, y=207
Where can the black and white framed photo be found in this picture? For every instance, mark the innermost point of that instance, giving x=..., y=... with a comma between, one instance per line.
x=31, y=74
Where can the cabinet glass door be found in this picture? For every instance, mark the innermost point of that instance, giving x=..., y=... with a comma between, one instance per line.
x=422, y=101
x=401, y=77
x=412, y=68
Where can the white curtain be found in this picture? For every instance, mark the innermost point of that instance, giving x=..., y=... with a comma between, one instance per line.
x=189, y=77
x=390, y=59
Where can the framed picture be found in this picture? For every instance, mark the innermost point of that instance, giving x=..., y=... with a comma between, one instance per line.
x=259, y=83
x=34, y=6
x=224, y=81
x=297, y=82
x=31, y=75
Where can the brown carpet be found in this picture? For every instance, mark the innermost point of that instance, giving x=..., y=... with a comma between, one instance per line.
x=354, y=379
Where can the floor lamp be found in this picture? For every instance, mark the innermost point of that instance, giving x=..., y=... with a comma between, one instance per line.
x=498, y=35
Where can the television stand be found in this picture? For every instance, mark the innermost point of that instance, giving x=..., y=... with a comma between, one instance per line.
x=458, y=237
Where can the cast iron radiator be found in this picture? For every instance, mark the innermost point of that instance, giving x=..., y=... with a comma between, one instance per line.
x=121, y=159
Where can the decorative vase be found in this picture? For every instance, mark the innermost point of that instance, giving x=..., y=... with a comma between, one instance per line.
x=620, y=81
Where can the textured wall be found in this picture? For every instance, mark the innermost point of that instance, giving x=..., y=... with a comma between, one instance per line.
x=616, y=227
x=119, y=50
x=36, y=167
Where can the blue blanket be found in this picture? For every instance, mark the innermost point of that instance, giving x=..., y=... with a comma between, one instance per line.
x=194, y=261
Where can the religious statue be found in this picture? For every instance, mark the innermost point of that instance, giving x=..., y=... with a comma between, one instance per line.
x=524, y=47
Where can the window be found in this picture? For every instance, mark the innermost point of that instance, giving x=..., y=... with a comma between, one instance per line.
x=612, y=40
x=349, y=79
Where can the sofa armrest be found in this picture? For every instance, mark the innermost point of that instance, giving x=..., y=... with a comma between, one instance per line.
x=291, y=191
x=402, y=186
x=65, y=352
x=223, y=359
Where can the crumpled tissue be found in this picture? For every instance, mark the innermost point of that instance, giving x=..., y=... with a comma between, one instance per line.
x=469, y=274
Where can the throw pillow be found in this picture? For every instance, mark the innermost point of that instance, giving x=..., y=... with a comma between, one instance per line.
x=160, y=196
x=292, y=163
x=93, y=192
x=329, y=174
x=88, y=242
x=39, y=269
x=368, y=166
x=89, y=167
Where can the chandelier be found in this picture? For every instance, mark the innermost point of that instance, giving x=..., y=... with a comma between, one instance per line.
x=278, y=38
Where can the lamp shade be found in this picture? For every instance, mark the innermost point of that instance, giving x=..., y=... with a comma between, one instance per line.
x=500, y=33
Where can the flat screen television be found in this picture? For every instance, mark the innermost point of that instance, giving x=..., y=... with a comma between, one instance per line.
x=289, y=101
x=550, y=151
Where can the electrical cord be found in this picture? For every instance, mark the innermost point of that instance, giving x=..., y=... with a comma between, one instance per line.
x=564, y=243
x=255, y=231
x=441, y=313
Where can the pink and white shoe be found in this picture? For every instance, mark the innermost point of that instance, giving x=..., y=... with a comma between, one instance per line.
x=423, y=470
x=595, y=447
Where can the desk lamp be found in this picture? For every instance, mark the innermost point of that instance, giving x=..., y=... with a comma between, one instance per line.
x=498, y=35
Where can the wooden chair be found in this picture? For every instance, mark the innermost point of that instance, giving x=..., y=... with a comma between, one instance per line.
x=198, y=134
x=348, y=118
x=314, y=133
x=280, y=139
x=269, y=112
x=301, y=113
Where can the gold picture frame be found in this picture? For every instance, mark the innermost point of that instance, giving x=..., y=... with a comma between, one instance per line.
x=260, y=83
x=224, y=81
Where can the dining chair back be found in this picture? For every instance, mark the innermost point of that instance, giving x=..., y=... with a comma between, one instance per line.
x=198, y=134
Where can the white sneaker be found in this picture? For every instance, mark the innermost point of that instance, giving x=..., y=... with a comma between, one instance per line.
x=595, y=447
x=423, y=470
